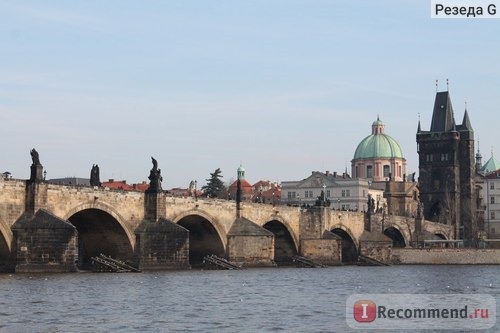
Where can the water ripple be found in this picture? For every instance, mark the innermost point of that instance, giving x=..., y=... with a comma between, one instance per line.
x=253, y=300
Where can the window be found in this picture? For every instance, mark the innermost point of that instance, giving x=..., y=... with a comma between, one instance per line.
x=492, y=215
x=347, y=193
x=308, y=194
x=356, y=172
x=369, y=171
x=343, y=193
x=327, y=193
x=492, y=200
x=291, y=195
x=492, y=186
x=387, y=170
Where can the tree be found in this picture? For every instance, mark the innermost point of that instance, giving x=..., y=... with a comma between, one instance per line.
x=215, y=187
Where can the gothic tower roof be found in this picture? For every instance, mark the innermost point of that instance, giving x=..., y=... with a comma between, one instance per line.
x=442, y=117
x=466, y=125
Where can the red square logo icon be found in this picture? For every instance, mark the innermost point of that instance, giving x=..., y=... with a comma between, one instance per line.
x=365, y=311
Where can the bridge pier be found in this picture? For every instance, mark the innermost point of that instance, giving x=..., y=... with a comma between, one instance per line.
x=44, y=243
x=160, y=243
x=250, y=245
x=316, y=242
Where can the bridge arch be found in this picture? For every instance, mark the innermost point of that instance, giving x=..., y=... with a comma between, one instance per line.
x=398, y=239
x=350, y=244
x=288, y=228
x=215, y=223
x=5, y=246
x=105, y=208
x=100, y=230
x=285, y=246
x=206, y=235
x=6, y=233
x=441, y=236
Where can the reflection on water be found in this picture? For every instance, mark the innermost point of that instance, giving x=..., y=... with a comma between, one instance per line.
x=252, y=300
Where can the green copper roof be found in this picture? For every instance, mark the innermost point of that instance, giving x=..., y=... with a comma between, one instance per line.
x=378, y=145
x=491, y=165
x=377, y=122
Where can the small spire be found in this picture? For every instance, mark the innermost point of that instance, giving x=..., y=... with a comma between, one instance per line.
x=437, y=85
x=447, y=85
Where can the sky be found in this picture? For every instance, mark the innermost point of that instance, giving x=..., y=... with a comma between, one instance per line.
x=283, y=87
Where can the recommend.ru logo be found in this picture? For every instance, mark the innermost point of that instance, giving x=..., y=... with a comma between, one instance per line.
x=420, y=311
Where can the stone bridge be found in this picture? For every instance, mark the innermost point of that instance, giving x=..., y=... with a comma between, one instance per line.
x=45, y=226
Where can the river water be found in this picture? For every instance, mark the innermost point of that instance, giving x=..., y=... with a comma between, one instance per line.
x=252, y=300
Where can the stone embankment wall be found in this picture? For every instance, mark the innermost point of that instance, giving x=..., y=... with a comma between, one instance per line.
x=446, y=256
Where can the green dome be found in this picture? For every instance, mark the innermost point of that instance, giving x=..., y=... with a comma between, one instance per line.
x=378, y=145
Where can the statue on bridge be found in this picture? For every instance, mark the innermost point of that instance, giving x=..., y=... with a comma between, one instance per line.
x=36, y=168
x=371, y=204
x=94, y=176
x=35, y=157
x=321, y=201
x=155, y=178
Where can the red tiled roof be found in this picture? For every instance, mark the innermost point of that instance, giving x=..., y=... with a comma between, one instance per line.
x=141, y=186
x=246, y=188
x=118, y=185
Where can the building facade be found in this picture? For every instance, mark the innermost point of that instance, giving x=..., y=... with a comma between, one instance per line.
x=342, y=191
x=489, y=174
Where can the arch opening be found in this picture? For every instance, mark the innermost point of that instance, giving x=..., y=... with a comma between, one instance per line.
x=4, y=254
x=284, y=247
x=397, y=237
x=441, y=236
x=434, y=212
x=349, y=251
x=99, y=232
x=203, y=239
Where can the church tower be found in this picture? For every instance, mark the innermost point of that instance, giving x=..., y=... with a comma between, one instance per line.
x=447, y=170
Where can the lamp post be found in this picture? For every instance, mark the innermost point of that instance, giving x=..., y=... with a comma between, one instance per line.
x=273, y=199
x=298, y=197
x=338, y=203
x=195, y=190
x=44, y=174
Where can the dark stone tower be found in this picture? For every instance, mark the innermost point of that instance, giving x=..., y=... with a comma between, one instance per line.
x=447, y=169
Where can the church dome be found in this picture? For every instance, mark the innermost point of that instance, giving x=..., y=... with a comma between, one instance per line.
x=378, y=145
